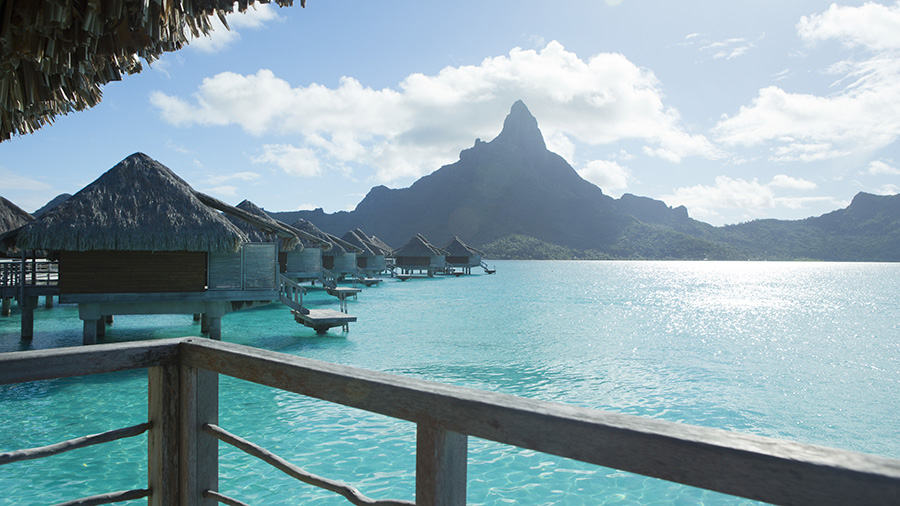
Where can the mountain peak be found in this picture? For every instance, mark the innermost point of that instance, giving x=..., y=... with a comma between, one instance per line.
x=520, y=128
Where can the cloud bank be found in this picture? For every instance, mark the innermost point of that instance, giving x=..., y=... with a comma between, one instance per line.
x=423, y=122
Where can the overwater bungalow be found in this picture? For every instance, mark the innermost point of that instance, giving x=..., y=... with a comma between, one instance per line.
x=306, y=265
x=419, y=255
x=12, y=217
x=461, y=255
x=140, y=240
x=370, y=262
x=303, y=261
x=341, y=258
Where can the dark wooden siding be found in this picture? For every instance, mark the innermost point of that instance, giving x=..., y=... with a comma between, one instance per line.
x=132, y=271
x=413, y=261
x=362, y=262
x=458, y=260
x=328, y=262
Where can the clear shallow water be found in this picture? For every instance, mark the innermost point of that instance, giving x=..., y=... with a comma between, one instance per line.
x=802, y=351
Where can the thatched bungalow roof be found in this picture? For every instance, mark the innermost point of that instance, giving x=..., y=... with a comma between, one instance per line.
x=375, y=244
x=55, y=54
x=324, y=239
x=354, y=239
x=378, y=243
x=257, y=234
x=418, y=246
x=140, y=204
x=12, y=216
x=457, y=248
x=346, y=246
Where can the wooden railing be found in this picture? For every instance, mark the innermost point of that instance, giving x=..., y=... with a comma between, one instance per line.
x=183, y=418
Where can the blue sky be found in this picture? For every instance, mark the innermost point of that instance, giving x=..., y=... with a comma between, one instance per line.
x=738, y=110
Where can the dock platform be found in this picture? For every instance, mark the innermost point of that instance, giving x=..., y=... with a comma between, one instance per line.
x=323, y=319
x=370, y=281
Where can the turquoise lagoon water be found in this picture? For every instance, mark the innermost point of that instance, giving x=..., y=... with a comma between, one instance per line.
x=802, y=351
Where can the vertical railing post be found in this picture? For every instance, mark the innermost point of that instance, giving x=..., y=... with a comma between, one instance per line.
x=162, y=439
x=440, y=466
x=199, y=462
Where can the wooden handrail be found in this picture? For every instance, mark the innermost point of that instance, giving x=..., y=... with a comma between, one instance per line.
x=766, y=469
x=351, y=494
x=756, y=467
x=110, y=498
x=73, y=444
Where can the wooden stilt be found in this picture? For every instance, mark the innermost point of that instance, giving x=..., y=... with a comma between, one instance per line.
x=28, y=304
x=204, y=324
x=101, y=326
x=215, y=328
x=90, y=332
x=109, y=319
x=6, y=308
x=48, y=302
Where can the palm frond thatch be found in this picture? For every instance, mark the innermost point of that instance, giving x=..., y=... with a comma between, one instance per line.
x=139, y=204
x=323, y=238
x=354, y=239
x=55, y=54
x=254, y=222
x=418, y=246
x=457, y=248
x=12, y=216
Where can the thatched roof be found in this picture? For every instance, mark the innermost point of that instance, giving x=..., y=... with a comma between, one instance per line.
x=55, y=54
x=342, y=244
x=12, y=216
x=378, y=243
x=457, y=248
x=140, y=204
x=268, y=234
x=324, y=239
x=354, y=239
x=375, y=244
x=418, y=246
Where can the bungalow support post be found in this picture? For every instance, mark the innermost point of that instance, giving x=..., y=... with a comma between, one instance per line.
x=183, y=460
x=28, y=304
x=440, y=466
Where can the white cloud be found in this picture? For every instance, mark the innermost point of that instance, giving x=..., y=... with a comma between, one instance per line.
x=293, y=160
x=219, y=179
x=611, y=177
x=255, y=17
x=871, y=25
x=427, y=120
x=223, y=191
x=728, y=49
x=11, y=181
x=878, y=167
x=784, y=181
x=751, y=197
x=888, y=189
x=860, y=117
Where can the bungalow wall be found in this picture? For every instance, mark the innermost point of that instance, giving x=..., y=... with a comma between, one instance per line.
x=252, y=268
x=131, y=271
x=345, y=263
x=469, y=261
x=374, y=263
x=307, y=261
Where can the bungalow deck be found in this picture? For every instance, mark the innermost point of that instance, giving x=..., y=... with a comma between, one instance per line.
x=323, y=319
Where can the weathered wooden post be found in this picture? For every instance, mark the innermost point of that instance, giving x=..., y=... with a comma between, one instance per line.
x=28, y=304
x=198, y=468
x=440, y=466
x=6, y=308
x=183, y=461
x=162, y=439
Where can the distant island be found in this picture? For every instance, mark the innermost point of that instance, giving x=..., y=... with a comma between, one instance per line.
x=514, y=199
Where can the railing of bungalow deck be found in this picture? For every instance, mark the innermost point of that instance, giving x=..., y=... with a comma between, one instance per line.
x=183, y=412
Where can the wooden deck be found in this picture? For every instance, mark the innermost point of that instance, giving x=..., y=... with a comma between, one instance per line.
x=323, y=319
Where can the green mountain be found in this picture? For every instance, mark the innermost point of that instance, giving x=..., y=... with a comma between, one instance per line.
x=514, y=198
